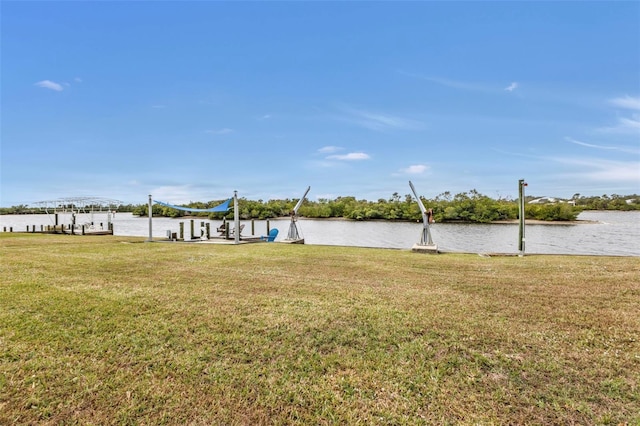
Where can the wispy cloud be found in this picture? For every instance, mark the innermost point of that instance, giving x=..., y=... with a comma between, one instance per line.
x=329, y=149
x=462, y=85
x=629, y=124
x=48, y=84
x=627, y=102
x=454, y=84
x=599, y=170
x=223, y=131
x=265, y=117
x=173, y=193
x=624, y=125
x=629, y=150
x=415, y=169
x=376, y=120
x=510, y=88
x=352, y=156
x=632, y=123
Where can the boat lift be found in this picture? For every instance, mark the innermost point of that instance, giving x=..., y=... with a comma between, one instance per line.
x=426, y=244
x=293, y=237
x=81, y=212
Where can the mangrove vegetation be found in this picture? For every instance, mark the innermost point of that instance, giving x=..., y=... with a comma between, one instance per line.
x=468, y=207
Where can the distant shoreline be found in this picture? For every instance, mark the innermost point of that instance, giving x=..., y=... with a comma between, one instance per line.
x=496, y=222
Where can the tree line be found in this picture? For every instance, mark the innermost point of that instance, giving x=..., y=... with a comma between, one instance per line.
x=471, y=206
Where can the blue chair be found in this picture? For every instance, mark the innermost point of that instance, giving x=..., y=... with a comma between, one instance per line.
x=271, y=237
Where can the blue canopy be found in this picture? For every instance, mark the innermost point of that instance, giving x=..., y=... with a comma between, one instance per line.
x=220, y=208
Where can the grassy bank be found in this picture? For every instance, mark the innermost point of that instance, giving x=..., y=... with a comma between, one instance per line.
x=102, y=330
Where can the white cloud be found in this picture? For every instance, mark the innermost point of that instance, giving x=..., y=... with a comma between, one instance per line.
x=265, y=117
x=376, y=120
x=455, y=84
x=48, y=84
x=513, y=86
x=173, y=194
x=629, y=124
x=605, y=147
x=627, y=102
x=415, y=169
x=599, y=170
x=352, y=156
x=223, y=131
x=329, y=149
x=625, y=125
x=632, y=123
x=77, y=80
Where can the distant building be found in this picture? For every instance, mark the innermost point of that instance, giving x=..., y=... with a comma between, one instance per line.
x=546, y=200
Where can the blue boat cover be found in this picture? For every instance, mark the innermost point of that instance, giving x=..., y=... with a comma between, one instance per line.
x=220, y=208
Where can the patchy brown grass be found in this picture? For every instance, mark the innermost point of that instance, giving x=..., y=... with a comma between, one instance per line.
x=110, y=330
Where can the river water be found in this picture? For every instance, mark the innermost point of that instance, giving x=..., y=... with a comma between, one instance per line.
x=596, y=232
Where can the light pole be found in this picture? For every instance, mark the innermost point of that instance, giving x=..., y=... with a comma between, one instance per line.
x=150, y=239
x=521, y=185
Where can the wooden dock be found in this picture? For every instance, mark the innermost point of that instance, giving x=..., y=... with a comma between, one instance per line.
x=63, y=229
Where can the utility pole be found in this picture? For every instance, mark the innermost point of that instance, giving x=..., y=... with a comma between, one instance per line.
x=521, y=185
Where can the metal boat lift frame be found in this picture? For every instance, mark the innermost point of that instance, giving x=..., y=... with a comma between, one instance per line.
x=293, y=236
x=426, y=244
x=79, y=205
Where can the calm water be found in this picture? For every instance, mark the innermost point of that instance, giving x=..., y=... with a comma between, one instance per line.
x=614, y=233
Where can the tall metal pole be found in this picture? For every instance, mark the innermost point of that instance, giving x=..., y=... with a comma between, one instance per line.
x=150, y=220
x=236, y=217
x=521, y=238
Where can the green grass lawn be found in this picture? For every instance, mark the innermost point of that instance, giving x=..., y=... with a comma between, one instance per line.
x=112, y=330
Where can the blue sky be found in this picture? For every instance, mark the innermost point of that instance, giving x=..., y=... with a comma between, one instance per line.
x=189, y=101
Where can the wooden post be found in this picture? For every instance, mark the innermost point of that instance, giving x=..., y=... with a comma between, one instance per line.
x=267, y=226
x=208, y=228
x=253, y=227
x=182, y=231
x=56, y=219
x=191, y=225
x=82, y=229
